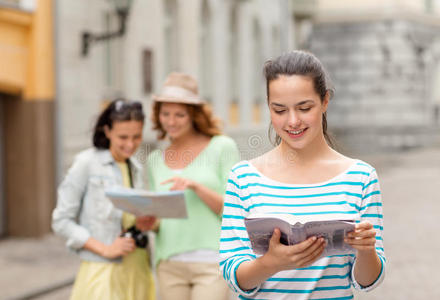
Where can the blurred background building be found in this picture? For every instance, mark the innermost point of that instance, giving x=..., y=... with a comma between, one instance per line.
x=383, y=56
x=221, y=43
x=27, y=94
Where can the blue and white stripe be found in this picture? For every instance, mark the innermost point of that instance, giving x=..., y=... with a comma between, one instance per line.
x=353, y=194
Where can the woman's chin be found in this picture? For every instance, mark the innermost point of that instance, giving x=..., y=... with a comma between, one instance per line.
x=126, y=155
x=174, y=136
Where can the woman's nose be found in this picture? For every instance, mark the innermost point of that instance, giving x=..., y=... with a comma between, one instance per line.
x=171, y=121
x=130, y=143
x=294, y=120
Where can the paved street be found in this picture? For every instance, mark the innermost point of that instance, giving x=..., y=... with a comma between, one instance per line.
x=411, y=208
x=31, y=265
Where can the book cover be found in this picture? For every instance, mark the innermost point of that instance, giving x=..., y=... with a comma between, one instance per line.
x=295, y=229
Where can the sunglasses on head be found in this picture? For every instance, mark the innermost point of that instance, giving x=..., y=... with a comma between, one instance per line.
x=123, y=105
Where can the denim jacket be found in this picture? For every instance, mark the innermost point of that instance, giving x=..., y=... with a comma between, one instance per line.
x=83, y=210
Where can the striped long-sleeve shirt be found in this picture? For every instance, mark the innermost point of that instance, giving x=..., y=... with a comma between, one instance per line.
x=355, y=193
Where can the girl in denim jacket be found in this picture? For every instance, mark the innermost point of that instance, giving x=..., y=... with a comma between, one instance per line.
x=114, y=265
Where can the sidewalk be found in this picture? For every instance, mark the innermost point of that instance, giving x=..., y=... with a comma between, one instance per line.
x=409, y=183
x=31, y=266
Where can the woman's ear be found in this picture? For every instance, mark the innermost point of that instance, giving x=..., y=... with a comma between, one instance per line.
x=325, y=102
x=107, y=131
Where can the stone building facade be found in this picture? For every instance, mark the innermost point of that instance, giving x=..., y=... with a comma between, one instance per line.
x=383, y=56
x=384, y=60
x=27, y=102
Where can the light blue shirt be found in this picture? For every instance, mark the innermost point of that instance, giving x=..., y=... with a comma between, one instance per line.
x=83, y=210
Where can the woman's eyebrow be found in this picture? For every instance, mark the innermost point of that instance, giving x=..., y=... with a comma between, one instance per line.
x=277, y=104
x=304, y=102
x=297, y=104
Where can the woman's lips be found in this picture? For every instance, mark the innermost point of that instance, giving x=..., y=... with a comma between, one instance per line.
x=296, y=133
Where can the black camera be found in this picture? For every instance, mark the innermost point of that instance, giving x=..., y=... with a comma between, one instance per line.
x=140, y=238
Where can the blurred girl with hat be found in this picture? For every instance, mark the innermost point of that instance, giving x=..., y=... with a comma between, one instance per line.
x=197, y=159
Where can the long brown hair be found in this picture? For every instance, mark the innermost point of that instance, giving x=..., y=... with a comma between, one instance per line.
x=304, y=64
x=202, y=118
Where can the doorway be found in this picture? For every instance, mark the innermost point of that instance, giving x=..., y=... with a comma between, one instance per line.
x=2, y=167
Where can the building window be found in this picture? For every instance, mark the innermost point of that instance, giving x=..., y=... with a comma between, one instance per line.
x=206, y=60
x=234, y=66
x=429, y=6
x=113, y=71
x=2, y=168
x=147, y=71
x=276, y=43
x=171, y=49
x=257, y=80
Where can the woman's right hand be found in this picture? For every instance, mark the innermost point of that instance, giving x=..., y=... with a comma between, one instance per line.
x=145, y=223
x=121, y=246
x=281, y=257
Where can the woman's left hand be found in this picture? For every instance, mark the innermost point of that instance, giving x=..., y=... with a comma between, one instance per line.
x=363, y=238
x=180, y=183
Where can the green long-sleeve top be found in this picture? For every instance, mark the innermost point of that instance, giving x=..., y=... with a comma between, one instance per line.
x=201, y=230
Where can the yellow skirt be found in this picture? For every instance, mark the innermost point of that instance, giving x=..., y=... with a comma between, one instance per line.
x=130, y=280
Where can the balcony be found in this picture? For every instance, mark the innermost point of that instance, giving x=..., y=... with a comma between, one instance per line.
x=304, y=8
x=23, y=5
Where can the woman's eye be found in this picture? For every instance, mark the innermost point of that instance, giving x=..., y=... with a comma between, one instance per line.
x=279, y=111
x=305, y=109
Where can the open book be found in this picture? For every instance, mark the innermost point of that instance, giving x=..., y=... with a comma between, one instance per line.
x=139, y=202
x=295, y=229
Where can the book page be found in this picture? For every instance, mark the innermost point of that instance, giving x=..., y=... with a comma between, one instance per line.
x=333, y=232
x=260, y=231
x=293, y=219
x=142, y=203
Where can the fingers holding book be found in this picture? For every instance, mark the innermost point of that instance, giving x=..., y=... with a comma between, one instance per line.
x=294, y=256
x=313, y=249
x=363, y=238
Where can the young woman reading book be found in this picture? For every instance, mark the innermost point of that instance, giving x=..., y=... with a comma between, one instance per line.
x=302, y=175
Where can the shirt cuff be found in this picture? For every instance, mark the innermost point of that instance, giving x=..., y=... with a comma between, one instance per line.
x=234, y=281
x=372, y=286
x=79, y=239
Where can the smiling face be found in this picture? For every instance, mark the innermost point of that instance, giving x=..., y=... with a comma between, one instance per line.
x=296, y=110
x=125, y=137
x=175, y=120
